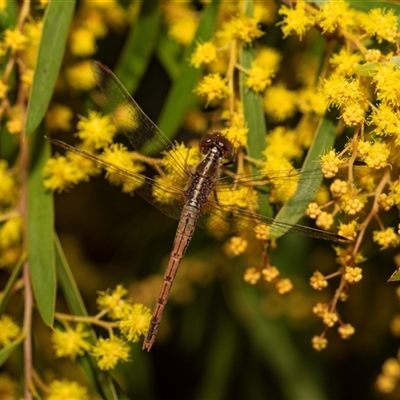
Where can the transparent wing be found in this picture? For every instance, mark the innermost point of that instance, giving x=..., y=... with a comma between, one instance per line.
x=217, y=218
x=142, y=133
x=169, y=198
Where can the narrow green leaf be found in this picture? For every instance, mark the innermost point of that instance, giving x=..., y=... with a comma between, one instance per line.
x=367, y=69
x=395, y=276
x=181, y=96
x=10, y=284
x=293, y=210
x=137, y=52
x=40, y=231
x=6, y=351
x=253, y=111
x=51, y=50
x=100, y=380
x=8, y=17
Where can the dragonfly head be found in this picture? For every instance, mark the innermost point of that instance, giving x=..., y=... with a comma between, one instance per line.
x=216, y=140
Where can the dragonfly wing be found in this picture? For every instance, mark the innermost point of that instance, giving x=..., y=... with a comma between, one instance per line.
x=236, y=220
x=164, y=195
x=140, y=130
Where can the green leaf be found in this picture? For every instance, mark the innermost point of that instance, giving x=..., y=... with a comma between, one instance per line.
x=181, y=96
x=395, y=276
x=10, y=285
x=56, y=25
x=253, y=111
x=137, y=52
x=293, y=210
x=6, y=351
x=367, y=69
x=8, y=17
x=40, y=232
x=102, y=381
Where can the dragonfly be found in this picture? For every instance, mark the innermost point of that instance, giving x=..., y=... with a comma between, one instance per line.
x=198, y=202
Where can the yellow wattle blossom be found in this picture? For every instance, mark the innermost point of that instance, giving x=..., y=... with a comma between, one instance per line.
x=340, y=91
x=71, y=342
x=59, y=116
x=319, y=343
x=353, y=274
x=334, y=13
x=280, y=103
x=80, y=76
x=235, y=246
x=11, y=232
x=346, y=331
x=252, y=275
x=386, y=77
x=262, y=231
x=353, y=114
x=82, y=42
x=284, y=286
x=374, y=153
x=258, y=78
x=330, y=318
x=349, y=230
x=329, y=164
x=345, y=62
x=113, y=302
x=109, y=352
x=386, y=238
x=268, y=58
x=9, y=330
x=135, y=322
x=338, y=187
x=313, y=210
x=240, y=27
x=63, y=390
x=61, y=174
x=14, y=40
x=324, y=220
x=119, y=156
x=318, y=281
x=387, y=121
x=237, y=135
x=96, y=131
x=212, y=87
x=270, y=274
x=382, y=24
x=182, y=30
x=296, y=20
x=352, y=205
x=205, y=53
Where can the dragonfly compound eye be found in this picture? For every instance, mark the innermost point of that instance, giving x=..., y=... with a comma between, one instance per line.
x=216, y=140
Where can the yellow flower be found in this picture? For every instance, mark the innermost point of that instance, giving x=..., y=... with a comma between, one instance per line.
x=345, y=62
x=109, y=352
x=71, y=342
x=237, y=135
x=270, y=274
x=334, y=13
x=59, y=117
x=382, y=24
x=113, y=302
x=386, y=78
x=119, y=156
x=212, y=87
x=11, y=232
x=9, y=330
x=280, y=103
x=284, y=286
x=346, y=331
x=319, y=343
x=80, y=76
x=61, y=174
x=96, y=131
x=349, y=230
x=296, y=20
x=259, y=78
x=183, y=30
x=14, y=40
x=235, y=246
x=63, y=390
x=353, y=274
x=205, y=53
x=252, y=275
x=135, y=322
x=82, y=42
x=386, y=238
x=318, y=281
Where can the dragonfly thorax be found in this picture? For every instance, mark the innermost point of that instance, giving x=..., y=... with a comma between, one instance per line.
x=219, y=141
